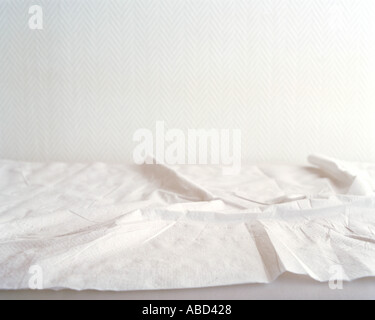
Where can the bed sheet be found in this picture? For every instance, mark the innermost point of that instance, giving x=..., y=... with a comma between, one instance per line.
x=124, y=228
x=287, y=287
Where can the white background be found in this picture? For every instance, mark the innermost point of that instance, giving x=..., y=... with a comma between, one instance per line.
x=297, y=76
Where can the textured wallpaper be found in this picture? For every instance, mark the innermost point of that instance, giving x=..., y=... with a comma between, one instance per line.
x=296, y=76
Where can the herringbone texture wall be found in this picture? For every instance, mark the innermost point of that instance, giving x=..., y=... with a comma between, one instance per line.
x=297, y=76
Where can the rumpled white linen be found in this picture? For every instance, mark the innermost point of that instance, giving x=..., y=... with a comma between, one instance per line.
x=119, y=227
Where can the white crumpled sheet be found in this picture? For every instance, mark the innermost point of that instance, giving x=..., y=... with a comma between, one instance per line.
x=117, y=227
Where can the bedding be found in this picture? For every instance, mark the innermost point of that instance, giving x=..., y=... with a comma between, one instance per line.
x=122, y=227
x=286, y=287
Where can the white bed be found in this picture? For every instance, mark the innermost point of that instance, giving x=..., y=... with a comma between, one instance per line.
x=141, y=232
x=287, y=287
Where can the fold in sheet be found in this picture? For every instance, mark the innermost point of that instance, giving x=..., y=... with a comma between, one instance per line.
x=357, y=181
x=117, y=227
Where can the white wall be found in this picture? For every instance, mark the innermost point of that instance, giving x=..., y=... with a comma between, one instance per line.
x=297, y=76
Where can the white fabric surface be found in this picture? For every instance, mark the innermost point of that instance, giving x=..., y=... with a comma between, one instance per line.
x=117, y=227
x=287, y=287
